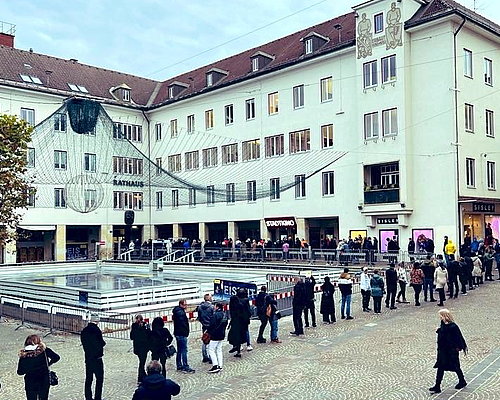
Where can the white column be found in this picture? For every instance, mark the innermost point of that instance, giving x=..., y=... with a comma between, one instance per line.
x=264, y=232
x=232, y=230
x=60, y=245
x=303, y=229
x=176, y=231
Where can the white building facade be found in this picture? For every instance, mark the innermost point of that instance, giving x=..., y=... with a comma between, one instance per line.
x=381, y=123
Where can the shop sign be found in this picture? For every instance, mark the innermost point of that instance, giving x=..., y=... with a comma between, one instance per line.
x=224, y=289
x=282, y=222
x=484, y=207
x=123, y=182
x=387, y=220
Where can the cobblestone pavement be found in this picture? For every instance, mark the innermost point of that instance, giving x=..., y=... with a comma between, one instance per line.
x=384, y=357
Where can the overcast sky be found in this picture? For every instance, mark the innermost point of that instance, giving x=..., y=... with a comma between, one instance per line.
x=162, y=38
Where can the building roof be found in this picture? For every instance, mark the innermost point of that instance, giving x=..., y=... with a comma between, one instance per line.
x=435, y=9
x=57, y=73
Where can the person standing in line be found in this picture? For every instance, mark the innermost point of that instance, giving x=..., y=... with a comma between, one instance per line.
x=416, y=280
x=463, y=275
x=274, y=317
x=365, y=287
x=477, y=270
x=391, y=280
x=217, y=332
x=402, y=281
x=411, y=246
x=327, y=307
x=285, y=249
x=205, y=311
x=140, y=336
x=428, y=268
x=181, y=333
x=452, y=268
x=155, y=386
x=450, y=342
x=449, y=250
x=160, y=339
x=309, y=285
x=497, y=256
x=260, y=304
x=239, y=310
x=34, y=361
x=445, y=243
x=377, y=285
x=93, y=347
x=440, y=279
x=488, y=259
x=345, y=287
x=298, y=305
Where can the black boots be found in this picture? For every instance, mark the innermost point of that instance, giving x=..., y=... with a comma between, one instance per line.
x=435, y=389
x=461, y=384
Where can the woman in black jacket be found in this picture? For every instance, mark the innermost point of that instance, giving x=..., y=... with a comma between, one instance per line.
x=239, y=309
x=449, y=343
x=34, y=362
x=327, y=307
x=217, y=332
x=161, y=338
x=140, y=335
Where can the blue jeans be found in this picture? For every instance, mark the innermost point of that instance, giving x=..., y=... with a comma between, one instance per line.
x=274, y=329
x=182, y=352
x=429, y=287
x=346, y=305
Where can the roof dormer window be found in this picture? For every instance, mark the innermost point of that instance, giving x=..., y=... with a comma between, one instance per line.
x=126, y=94
x=215, y=75
x=260, y=60
x=313, y=42
x=309, y=46
x=176, y=88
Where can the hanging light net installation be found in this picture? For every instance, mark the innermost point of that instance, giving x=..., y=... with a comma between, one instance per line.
x=94, y=160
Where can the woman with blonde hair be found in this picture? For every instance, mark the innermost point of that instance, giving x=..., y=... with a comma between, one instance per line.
x=449, y=343
x=34, y=361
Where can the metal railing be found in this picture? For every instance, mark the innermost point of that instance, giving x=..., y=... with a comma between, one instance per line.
x=126, y=255
x=170, y=257
x=187, y=258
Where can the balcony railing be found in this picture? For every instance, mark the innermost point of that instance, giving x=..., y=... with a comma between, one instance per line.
x=377, y=196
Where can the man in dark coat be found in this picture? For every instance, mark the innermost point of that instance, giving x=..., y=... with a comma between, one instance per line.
x=309, y=285
x=453, y=268
x=391, y=281
x=327, y=308
x=428, y=269
x=205, y=311
x=155, y=386
x=93, y=347
x=140, y=336
x=239, y=309
x=181, y=333
x=261, y=305
x=298, y=304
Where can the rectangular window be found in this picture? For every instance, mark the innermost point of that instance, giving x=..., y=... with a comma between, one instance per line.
x=210, y=194
x=275, y=145
x=209, y=119
x=174, y=163
x=251, y=191
x=272, y=103
x=230, y=154
x=490, y=123
x=59, y=198
x=90, y=198
x=175, y=198
x=488, y=71
x=274, y=188
x=89, y=162
x=230, y=193
x=491, y=175
x=159, y=167
x=390, y=122
x=126, y=95
x=328, y=186
x=127, y=166
x=31, y=197
x=255, y=64
x=137, y=201
x=389, y=69
x=300, y=141
x=60, y=159
x=468, y=63
x=326, y=86
x=192, y=160
x=158, y=132
x=327, y=136
x=28, y=115
x=309, y=46
x=389, y=174
x=171, y=92
x=300, y=186
x=251, y=150
x=173, y=129
x=470, y=172
x=228, y=113
x=159, y=200
x=209, y=157
x=30, y=157
x=469, y=117
x=298, y=97
x=190, y=123
x=60, y=122
x=127, y=132
x=378, y=22
x=250, y=109
x=371, y=126
x=210, y=80
x=370, y=77
x=192, y=197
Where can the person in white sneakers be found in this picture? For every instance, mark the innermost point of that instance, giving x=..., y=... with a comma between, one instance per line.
x=217, y=332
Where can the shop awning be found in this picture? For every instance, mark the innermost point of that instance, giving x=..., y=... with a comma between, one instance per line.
x=38, y=227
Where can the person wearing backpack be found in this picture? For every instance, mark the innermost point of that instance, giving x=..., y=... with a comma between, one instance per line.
x=260, y=304
x=217, y=332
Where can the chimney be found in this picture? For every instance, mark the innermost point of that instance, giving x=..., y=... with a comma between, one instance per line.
x=7, y=33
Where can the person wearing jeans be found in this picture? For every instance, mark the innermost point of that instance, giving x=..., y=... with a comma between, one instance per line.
x=217, y=332
x=416, y=280
x=440, y=279
x=345, y=286
x=365, y=287
x=377, y=285
x=428, y=268
x=181, y=333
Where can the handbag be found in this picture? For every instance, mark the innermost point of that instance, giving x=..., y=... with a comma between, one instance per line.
x=205, y=338
x=170, y=351
x=53, y=379
x=269, y=310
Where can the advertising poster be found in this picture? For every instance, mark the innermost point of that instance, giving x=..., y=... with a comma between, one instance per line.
x=224, y=289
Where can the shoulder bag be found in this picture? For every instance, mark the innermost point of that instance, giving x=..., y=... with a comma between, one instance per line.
x=53, y=379
x=170, y=351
